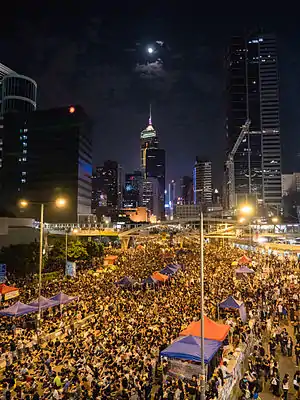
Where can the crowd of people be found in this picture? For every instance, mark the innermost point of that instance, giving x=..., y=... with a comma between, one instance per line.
x=115, y=353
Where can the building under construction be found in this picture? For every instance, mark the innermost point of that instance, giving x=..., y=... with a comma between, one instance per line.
x=253, y=167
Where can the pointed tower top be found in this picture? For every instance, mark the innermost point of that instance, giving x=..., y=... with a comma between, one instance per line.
x=150, y=115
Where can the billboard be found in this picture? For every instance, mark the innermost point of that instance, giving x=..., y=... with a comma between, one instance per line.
x=70, y=269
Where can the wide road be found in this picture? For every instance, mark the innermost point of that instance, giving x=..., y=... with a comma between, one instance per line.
x=287, y=365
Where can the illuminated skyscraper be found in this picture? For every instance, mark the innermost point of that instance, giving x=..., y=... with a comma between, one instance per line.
x=148, y=140
x=152, y=161
x=202, y=182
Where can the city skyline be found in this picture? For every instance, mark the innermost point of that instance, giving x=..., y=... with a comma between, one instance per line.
x=115, y=86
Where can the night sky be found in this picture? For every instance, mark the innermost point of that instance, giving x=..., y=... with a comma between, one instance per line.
x=96, y=56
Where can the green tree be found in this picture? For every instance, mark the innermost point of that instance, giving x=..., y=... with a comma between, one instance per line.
x=94, y=249
x=77, y=251
x=20, y=259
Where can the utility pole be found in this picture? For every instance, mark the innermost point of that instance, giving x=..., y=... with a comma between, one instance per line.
x=203, y=375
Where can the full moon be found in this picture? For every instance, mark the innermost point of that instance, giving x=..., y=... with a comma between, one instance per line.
x=150, y=50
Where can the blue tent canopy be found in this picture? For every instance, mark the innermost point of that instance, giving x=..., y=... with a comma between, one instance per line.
x=150, y=281
x=230, y=302
x=18, y=309
x=45, y=303
x=126, y=281
x=62, y=298
x=168, y=270
x=188, y=348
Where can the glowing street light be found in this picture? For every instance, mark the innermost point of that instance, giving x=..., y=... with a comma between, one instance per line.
x=23, y=203
x=246, y=209
x=60, y=202
x=275, y=220
x=242, y=220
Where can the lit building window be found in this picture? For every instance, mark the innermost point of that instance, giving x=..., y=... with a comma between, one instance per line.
x=24, y=159
x=24, y=151
x=23, y=180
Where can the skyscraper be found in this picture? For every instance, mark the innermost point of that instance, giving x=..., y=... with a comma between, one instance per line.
x=132, y=197
x=148, y=140
x=186, y=189
x=17, y=94
x=202, y=182
x=107, y=185
x=153, y=170
x=48, y=153
x=253, y=93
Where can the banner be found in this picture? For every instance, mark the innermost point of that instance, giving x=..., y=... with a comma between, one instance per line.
x=2, y=272
x=70, y=269
x=11, y=295
x=184, y=369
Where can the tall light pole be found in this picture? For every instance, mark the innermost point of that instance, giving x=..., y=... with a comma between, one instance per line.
x=60, y=202
x=40, y=264
x=203, y=375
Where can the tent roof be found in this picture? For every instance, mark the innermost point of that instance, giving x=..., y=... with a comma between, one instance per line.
x=160, y=277
x=212, y=330
x=62, y=298
x=45, y=303
x=244, y=270
x=125, y=281
x=189, y=348
x=230, y=302
x=6, y=289
x=168, y=271
x=110, y=257
x=18, y=309
x=150, y=280
x=176, y=266
x=244, y=260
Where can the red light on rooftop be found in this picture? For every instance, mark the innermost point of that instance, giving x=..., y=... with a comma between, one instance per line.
x=71, y=110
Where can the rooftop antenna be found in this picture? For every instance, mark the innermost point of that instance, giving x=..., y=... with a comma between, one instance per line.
x=150, y=115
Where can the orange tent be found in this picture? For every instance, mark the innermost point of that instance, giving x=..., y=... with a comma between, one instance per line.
x=212, y=330
x=244, y=260
x=110, y=260
x=160, y=277
x=8, y=292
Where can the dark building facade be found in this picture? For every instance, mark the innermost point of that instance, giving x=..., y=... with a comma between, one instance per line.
x=186, y=184
x=18, y=93
x=133, y=186
x=253, y=93
x=107, y=187
x=48, y=154
x=156, y=169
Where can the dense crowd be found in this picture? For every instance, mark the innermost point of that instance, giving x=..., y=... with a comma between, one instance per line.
x=115, y=353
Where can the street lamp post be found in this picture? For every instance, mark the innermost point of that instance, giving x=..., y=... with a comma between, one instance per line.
x=247, y=210
x=60, y=202
x=203, y=375
x=40, y=264
x=275, y=221
x=66, y=248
